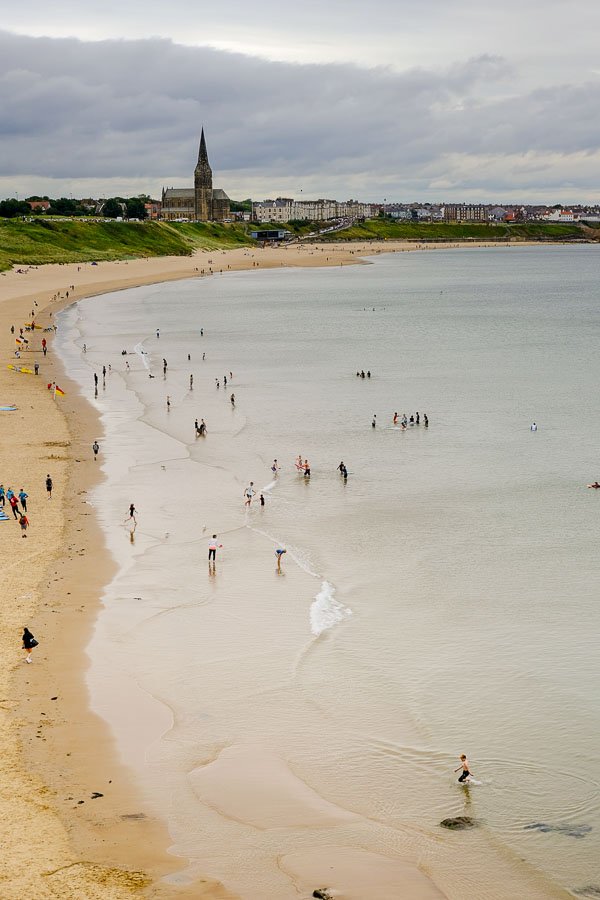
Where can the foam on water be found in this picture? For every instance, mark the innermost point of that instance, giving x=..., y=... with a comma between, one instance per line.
x=326, y=611
x=143, y=355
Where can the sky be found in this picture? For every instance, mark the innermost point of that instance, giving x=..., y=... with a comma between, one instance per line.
x=396, y=100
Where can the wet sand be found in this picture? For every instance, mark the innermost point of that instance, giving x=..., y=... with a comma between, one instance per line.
x=54, y=752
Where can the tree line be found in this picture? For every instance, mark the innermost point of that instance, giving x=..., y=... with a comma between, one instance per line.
x=112, y=208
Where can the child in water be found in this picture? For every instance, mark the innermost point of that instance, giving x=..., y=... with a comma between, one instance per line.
x=464, y=765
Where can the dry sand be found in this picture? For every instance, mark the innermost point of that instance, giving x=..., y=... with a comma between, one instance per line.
x=54, y=753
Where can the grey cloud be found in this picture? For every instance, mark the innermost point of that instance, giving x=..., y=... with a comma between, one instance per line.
x=133, y=109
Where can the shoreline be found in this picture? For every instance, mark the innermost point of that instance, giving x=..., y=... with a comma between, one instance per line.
x=109, y=831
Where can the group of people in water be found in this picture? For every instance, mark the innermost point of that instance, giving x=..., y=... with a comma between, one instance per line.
x=412, y=420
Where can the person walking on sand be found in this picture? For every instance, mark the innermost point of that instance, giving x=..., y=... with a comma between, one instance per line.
x=14, y=505
x=132, y=512
x=464, y=765
x=249, y=494
x=279, y=553
x=23, y=498
x=275, y=468
x=95, y=448
x=24, y=523
x=213, y=545
x=29, y=642
x=49, y=486
x=2, y=496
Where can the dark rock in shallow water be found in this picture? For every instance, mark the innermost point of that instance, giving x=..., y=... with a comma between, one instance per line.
x=322, y=894
x=576, y=831
x=459, y=823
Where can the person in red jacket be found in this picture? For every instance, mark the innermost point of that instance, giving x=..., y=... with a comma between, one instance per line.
x=14, y=505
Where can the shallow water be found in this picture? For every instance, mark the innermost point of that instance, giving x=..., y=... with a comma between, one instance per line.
x=443, y=600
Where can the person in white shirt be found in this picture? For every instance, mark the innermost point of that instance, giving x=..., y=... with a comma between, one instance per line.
x=213, y=545
x=249, y=494
x=533, y=426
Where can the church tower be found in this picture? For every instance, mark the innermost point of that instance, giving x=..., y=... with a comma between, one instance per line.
x=203, y=189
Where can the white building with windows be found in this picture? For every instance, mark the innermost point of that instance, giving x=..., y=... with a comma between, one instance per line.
x=284, y=209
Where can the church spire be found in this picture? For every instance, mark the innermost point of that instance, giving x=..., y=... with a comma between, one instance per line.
x=203, y=189
x=202, y=153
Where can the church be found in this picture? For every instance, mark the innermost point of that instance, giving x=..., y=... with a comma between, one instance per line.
x=202, y=203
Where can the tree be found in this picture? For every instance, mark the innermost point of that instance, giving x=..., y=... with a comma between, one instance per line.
x=136, y=208
x=10, y=208
x=112, y=208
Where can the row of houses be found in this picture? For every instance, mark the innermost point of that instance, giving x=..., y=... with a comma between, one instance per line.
x=285, y=209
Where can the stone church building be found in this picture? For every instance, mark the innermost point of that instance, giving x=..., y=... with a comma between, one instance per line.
x=202, y=203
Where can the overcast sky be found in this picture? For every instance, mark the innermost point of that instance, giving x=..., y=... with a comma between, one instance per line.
x=395, y=99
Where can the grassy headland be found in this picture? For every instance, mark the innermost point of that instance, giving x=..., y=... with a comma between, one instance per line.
x=387, y=229
x=60, y=241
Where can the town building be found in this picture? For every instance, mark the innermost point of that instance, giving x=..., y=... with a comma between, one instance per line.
x=200, y=203
x=37, y=205
x=465, y=213
x=285, y=209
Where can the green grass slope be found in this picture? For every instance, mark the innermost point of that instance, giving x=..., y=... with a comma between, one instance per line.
x=385, y=229
x=52, y=241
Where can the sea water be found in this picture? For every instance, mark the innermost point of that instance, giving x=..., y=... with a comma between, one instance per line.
x=443, y=599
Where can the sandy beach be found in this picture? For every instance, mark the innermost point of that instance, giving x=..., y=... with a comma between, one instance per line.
x=72, y=823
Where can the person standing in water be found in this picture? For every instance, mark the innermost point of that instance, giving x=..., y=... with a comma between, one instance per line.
x=374, y=422
x=213, y=545
x=275, y=468
x=132, y=512
x=533, y=426
x=232, y=398
x=168, y=402
x=249, y=494
x=279, y=553
x=49, y=487
x=425, y=420
x=464, y=765
x=191, y=382
x=306, y=469
x=95, y=448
